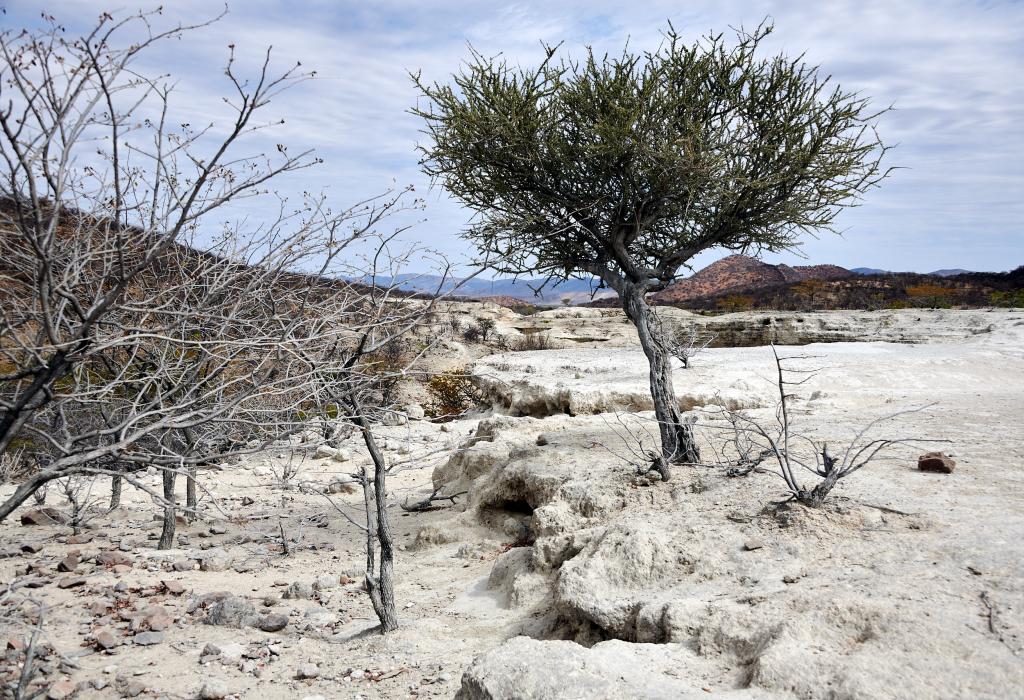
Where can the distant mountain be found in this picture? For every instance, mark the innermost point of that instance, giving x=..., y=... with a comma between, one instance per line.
x=937, y=273
x=741, y=273
x=578, y=291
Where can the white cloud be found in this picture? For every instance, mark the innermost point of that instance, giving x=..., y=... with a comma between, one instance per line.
x=950, y=68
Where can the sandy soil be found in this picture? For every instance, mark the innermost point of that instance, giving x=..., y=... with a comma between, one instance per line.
x=909, y=584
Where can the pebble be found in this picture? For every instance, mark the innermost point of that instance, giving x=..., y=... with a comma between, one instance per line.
x=148, y=638
x=213, y=690
x=274, y=622
x=307, y=671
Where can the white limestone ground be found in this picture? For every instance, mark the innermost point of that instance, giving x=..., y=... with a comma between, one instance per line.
x=850, y=601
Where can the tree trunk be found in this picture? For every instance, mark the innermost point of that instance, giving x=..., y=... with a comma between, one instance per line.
x=191, y=499
x=678, y=445
x=167, y=534
x=116, y=482
x=379, y=580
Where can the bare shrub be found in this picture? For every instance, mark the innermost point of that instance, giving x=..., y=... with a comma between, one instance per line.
x=452, y=393
x=533, y=341
x=784, y=451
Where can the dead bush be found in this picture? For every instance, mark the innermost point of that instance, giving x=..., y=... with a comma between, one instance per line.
x=452, y=393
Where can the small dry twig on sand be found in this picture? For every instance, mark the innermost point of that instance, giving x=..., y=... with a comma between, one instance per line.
x=428, y=502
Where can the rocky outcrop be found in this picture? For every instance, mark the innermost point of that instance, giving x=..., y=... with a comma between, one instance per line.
x=741, y=273
x=535, y=670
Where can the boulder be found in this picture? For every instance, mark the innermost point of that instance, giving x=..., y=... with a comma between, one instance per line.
x=935, y=462
x=43, y=516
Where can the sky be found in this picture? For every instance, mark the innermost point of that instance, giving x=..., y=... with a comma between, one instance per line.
x=951, y=71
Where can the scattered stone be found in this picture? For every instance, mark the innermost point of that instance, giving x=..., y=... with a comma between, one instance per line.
x=298, y=591
x=158, y=618
x=218, y=530
x=71, y=582
x=69, y=563
x=60, y=690
x=542, y=439
x=121, y=568
x=232, y=611
x=112, y=559
x=213, y=690
x=32, y=548
x=247, y=501
x=148, y=638
x=183, y=565
x=132, y=688
x=99, y=683
x=307, y=671
x=335, y=453
x=105, y=639
x=753, y=543
x=43, y=516
x=210, y=649
x=81, y=538
x=274, y=622
x=325, y=582
x=174, y=587
x=215, y=560
x=935, y=462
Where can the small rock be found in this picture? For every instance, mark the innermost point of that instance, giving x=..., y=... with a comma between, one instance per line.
x=210, y=649
x=753, y=543
x=148, y=638
x=82, y=538
x=32, y=548
x=444, y=677
x=215, y=560
x=99, y=683
x=298, y=591
x=183, y=565
x=133, y=689
x=218, y=530
x=357, y=675
x=307, y=671
x=247, y=501
x=232, y=611
x=274, y=622
x=542, y=439
x=105, y=639
x=112, y=559
x=335, y=453
x=174, y=587
x=60, y=690
x=68, y=563
x=158, y=618
x=213, y=690
x=43, y=516
x=71, y=582
x=935, y=462
x=325, y=582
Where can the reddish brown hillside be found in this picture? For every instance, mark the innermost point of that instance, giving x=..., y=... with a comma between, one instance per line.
x=741, y=273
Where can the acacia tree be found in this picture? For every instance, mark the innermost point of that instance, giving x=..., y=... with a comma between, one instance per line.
x=624, y=168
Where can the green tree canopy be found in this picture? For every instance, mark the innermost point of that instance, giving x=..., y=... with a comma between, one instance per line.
x=626, y=167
